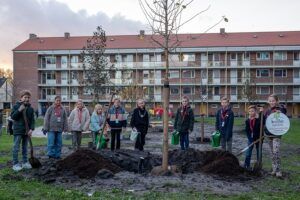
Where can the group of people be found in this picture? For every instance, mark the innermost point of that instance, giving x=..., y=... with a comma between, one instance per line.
x=56, y=122
x=224, y=124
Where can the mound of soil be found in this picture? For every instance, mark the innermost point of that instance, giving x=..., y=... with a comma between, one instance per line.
x=221, y=163
x=86, y=163
x=214, y=162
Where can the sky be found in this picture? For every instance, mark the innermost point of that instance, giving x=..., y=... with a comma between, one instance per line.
x=18, y=18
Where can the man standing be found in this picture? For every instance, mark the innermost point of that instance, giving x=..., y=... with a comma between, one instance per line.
x=55, y=122
x=79, y=121
x=21, y=113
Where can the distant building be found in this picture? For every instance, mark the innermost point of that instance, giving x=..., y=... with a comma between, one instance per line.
x=246, y=67
x=5, y=94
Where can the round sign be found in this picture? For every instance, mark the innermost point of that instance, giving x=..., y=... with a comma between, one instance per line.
x=278, y=123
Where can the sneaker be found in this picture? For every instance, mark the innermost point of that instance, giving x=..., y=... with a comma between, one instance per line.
x=27, y=165
x=17, y=167
x=278, y=174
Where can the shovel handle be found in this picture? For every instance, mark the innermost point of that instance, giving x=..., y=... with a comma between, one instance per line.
x=250, y=145
x=31, y=146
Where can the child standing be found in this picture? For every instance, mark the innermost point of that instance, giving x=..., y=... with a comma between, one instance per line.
x=274, y=141
x=253, y=124
x=184, y=122
x=224, y=124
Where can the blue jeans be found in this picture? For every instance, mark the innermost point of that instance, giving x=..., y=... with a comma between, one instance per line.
x=16, y=147
x=184, y=140
x=54, y=144
x=249, y=153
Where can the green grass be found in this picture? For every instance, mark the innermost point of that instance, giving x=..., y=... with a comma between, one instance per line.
x=13, y=186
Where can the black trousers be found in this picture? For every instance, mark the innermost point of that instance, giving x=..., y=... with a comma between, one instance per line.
x=115, y=135
x=140, y=141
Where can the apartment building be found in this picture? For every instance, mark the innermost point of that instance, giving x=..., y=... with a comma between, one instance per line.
x=246, y=67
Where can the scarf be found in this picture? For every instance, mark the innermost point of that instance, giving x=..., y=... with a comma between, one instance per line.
x=252, y=124
x=57, y=111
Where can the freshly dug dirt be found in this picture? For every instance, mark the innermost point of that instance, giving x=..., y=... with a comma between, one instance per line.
x=214, y=162
x=86, y=163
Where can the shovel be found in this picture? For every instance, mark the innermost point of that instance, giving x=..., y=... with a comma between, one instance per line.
x=34, y=162
x=250, y=145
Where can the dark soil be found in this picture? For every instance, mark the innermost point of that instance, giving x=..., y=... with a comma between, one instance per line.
x=86, y=163
x=213, y=162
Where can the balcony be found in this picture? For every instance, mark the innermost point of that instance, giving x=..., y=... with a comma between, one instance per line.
x=233, y=98
x=296, y=80
x=296, y=63
x=296, y=97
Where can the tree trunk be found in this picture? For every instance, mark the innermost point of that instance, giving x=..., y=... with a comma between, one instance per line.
x=166, y=100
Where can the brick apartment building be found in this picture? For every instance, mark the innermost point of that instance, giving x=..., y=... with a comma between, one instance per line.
x=245, y=67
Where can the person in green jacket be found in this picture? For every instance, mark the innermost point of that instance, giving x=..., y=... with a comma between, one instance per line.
x=20, y=130
x=184, y=122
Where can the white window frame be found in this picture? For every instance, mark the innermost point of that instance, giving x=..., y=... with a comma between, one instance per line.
x=283, y=89
x=174, y=87
x=283, y=74
x=296, y=72
x=259, y=90
x=192, y=73
x=263, y=55
x=174, y=74
x=192, y=90
x=280, y=55
x=259, y=70
x=233, y=54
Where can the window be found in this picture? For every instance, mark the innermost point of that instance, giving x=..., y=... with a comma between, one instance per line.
x=263, y=90
x=74, y=90
x=280, y=55
x=188, y=90
x=280, y=89
x=296, y=73
x=263, y=56
x=50, y=60
x=216, y=74
x=280, y=72
x=173, y=74
x=216, y=90
x=87, y=91
x=64, y=60
x=296, y=56
x=74, y=59
x=246, y=56
x=203, y=91
x=188, y=73
x=217, y=56
x=51, y=76
x=262, y=73
x=233, y=90
x=203, y=74
x=236, y=105
x=296, y=90
x=174, y=90
x=188, y=57
x=174, y=57
x=74, y=75
x=51, y=91
x=118, y=58
x=232, y=56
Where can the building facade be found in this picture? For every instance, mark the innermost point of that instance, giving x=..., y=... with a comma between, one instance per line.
x=246, y=67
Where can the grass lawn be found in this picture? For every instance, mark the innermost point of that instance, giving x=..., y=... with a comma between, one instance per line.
x=13, y=186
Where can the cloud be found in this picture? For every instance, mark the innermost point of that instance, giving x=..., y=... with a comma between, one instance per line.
x=18, y=18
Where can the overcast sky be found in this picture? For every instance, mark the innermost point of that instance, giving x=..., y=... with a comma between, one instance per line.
x=18, y=18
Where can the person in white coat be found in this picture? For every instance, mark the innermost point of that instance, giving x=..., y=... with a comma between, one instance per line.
x=79, y=121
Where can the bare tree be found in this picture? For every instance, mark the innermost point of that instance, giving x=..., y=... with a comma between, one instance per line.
x=165, y=19
x=96, y=65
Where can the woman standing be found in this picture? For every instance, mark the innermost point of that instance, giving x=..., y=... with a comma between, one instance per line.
x=97, y=120
x=79, y=121
x=140, y=122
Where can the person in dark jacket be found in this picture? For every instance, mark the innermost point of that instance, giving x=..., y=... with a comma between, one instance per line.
x=274, y=141
x=140, y=122
x=117, y=121
x=252, y=127
x=184, y=122
x=21, y=130
x=1, y=121
x=224, y=124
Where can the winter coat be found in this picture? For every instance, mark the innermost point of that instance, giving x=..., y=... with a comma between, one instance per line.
x=74, y=121
x=19, y=127
x=140, y=120
x=116, y=117
x=225, y=124
x=256, y=129
x=96, y=122
x=56, y=122
x=269, y=112
x=184, y=121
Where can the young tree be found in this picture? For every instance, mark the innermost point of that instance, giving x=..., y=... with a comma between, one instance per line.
x=165, y=19
x=96, y=65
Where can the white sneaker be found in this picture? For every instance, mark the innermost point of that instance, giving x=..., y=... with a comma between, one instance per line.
x=26, y=165
x=17, y=167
